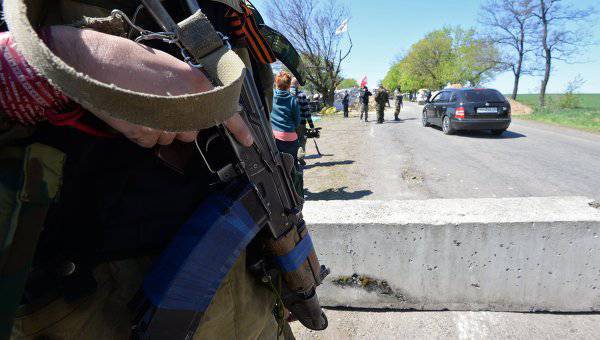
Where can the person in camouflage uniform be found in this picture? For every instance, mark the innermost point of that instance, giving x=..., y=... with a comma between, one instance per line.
x=398, y=98
x=91, y=177
x=382, y=99
x=365, y=94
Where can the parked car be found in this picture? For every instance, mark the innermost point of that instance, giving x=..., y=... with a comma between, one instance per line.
x=468, y=109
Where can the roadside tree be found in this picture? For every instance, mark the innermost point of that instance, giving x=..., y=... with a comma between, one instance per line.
x=348, y=83
x=430, y=60
x=476, y=59
x=312, y=26
x=570, y=100
x=511, y=24
x=449, y=55
x=564, y=30
x=396, y=77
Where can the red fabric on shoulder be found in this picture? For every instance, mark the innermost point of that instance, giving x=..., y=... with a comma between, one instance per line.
x=29, y=98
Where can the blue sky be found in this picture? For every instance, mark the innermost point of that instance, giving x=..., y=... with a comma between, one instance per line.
x=383, y=29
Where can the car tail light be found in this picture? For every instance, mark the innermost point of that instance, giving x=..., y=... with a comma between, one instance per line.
x=460, y=112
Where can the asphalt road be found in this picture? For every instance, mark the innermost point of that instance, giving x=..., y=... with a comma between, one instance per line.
x=452, y=325
x=403, y=160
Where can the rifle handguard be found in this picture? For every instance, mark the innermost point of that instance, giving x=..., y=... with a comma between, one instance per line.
x=297, y=261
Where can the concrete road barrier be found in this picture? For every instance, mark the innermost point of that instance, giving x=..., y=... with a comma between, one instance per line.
x=509, y=254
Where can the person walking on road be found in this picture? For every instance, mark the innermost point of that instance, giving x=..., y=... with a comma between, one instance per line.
x=399, y=103
x=364, y=99
x=382, y=99
x=346, y=103
x=305, y=118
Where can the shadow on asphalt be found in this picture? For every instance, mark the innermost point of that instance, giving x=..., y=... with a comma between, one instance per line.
x=317, y=156
x=327, y=164
x=339, y=194
x=391, y=121
x=488, y=135
x=485, y=134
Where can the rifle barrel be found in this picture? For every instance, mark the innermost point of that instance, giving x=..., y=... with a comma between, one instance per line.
x=160, y=14
x=193, y=6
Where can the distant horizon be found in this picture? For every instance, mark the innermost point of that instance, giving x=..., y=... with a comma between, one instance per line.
x=552, y=93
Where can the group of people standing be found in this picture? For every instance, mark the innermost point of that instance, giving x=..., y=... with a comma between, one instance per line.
x=291, y=113
x=382, y=99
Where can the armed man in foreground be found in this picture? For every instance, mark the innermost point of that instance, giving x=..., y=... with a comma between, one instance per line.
x=142, y=193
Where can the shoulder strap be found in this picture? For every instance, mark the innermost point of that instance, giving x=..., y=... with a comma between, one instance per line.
x=170, y=113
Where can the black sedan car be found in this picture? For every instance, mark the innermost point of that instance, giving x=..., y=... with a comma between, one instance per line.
x=468, y=109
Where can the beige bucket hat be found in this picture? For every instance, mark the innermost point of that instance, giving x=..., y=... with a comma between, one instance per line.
x=169, y=113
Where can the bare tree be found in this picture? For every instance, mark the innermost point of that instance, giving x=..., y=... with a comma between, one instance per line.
x=311, y=26
x=562, y=33
x=511, y=23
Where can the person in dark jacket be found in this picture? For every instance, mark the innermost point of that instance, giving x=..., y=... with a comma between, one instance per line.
x=382, y=99
x=346, y=103
x=285, y=116
x=399, y=98
x=364, y=100
x=305, y=118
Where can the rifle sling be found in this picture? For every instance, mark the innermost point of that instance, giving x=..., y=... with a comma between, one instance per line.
x=170, y=113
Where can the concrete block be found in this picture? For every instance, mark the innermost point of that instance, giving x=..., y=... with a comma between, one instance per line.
x=510, y=254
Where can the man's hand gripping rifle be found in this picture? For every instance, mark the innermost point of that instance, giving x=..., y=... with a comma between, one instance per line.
x=261, y=197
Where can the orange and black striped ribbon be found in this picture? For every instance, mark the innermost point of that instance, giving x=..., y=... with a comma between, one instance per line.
x=243, y=26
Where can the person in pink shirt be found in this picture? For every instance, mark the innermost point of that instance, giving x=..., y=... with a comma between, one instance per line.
x=285, y=116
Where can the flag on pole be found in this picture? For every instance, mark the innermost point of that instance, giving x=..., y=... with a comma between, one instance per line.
x=342, y=28
x=363, y=83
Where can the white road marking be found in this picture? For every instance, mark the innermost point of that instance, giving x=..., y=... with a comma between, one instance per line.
x=469, y=325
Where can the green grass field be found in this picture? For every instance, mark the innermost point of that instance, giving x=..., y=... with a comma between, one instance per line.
x=587, y=117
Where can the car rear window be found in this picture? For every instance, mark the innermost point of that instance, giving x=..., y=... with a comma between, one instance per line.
x=483, y=96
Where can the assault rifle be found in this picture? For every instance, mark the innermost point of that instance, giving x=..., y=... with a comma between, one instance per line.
x=257, y=196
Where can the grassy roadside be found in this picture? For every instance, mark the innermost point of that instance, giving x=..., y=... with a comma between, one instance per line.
x=586, y=117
